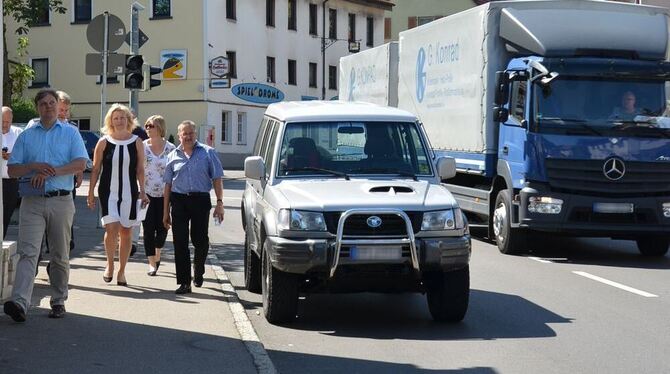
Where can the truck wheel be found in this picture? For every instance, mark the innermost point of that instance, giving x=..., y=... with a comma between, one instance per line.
x=653, y=246
x=280, y=293
x=252, y=268
x=448, y=294
x=509, y=240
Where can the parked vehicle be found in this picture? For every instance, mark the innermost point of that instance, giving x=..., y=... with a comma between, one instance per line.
x=345, y=197
x=527, y=96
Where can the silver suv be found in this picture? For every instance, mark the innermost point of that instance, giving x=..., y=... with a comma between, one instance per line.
x=346, y=197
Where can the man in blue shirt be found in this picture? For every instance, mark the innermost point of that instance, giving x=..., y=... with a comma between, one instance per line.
x=191, y=171
x=47, y=156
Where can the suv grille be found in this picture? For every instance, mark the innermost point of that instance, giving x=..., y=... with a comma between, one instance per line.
x=587, y=177
x=356, y=225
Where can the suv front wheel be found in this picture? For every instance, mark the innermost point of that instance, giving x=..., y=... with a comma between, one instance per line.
x=252, y=267
x=448, y=294
x=280, y=292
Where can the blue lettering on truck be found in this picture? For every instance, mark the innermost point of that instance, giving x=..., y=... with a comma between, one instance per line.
x=359, y=78
x=433, y=55
x=420, y=75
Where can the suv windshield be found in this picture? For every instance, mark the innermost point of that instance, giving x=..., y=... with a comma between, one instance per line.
x=350, y=148
x=600, y=107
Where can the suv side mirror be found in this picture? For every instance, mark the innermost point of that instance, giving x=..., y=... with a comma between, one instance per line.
x=446, y=167
x=254, y=167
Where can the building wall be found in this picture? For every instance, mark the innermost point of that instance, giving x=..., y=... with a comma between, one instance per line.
x=404, y=9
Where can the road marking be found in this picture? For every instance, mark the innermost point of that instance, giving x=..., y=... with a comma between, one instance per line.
x=244, y=327
x=615, y=284
x=540, y=260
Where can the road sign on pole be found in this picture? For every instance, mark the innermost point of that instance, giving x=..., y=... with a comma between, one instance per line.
x=115, y=64
x=95, y=32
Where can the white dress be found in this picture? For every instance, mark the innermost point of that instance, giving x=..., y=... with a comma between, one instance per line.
x=118, y=188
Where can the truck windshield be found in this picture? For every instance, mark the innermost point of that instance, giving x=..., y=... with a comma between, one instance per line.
x=601, y=107
x=350, y=148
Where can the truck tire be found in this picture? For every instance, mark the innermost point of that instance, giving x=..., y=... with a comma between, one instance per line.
x=280, y=293
x=508, y=239
x=448, y=294
x=252, y=268
x=653, y=246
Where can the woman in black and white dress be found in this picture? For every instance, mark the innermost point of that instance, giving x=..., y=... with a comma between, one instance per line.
x=119, y=162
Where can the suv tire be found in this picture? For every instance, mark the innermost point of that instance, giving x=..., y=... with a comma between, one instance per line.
x=252, y=268
x=653, y=246
x=280, y=292
x=448, y=294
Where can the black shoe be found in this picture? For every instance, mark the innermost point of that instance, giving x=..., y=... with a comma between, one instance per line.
x=133, y=249
x=49, y=269
x=57, y=311
x=15, y=311
x=197, y=281
x=183, y=289
x=158, y=264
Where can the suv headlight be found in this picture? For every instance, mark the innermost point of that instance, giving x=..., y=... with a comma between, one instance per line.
x=301, y=220
x=449, y=219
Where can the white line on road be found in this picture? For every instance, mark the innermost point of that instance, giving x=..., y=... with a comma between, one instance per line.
x=615, y=284
x=540, y=260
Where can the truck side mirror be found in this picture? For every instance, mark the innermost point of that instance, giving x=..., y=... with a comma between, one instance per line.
x=500, y=114
x=254, y=167
x=502, y=88
x=446, y=167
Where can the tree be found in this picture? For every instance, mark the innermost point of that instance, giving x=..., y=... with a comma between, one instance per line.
x=26, y=13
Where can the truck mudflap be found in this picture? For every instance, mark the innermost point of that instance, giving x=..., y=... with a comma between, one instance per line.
x=621, y=217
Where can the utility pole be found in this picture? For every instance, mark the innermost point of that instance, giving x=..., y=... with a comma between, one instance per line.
x=323, y=51
x=135, y=8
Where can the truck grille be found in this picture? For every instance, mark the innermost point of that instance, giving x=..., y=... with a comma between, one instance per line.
x=356, y=225
x=586, y=177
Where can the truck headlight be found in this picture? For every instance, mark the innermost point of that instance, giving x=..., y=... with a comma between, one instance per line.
x=544, y=205
x=449, y=219
x=666, y=210
x=301, y=220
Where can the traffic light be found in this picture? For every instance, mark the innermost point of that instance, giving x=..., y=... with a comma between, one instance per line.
x=147, y=72
x=133, y=77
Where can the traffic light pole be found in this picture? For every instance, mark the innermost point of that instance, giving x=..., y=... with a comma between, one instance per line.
x=135, y=8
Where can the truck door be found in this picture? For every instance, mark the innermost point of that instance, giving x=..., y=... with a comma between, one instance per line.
x=513, y=132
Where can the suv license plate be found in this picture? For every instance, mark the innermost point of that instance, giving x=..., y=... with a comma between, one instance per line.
x=376, y=252
x=621, y=208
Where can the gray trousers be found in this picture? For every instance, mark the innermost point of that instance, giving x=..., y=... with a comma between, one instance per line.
x=37, y=215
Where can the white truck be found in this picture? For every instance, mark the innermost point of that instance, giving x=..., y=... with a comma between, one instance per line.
x=555, y=114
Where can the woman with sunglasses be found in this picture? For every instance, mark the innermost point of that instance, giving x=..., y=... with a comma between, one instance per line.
x=156, y=149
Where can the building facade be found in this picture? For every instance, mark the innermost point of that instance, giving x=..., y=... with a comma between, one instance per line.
x=272, y=47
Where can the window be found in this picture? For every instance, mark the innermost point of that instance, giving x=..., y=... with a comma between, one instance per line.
x=352, y=27
x=270, y=13
x=82, y=123
x=230, y=9
x=292, y=14
x=42, y=11
x=370, y=40
x=271, y=70
x=332, y=30
x=312, y=74
x=292, y=79
x=160, y=9
x=259, y=137
x=232, y=64
x=226, y=127
x=41, y=68
x=312, y=19
x=82, y=11
x=426, y=19
x=332, y=77
x=269, y=156
x=241, y=128
x=518, y=101
x=387, y=28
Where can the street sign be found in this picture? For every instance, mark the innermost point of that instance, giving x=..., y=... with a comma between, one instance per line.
x=116, y=64
x=219, y=66
x=219, y=83
x=95, y=33
x=143, y=38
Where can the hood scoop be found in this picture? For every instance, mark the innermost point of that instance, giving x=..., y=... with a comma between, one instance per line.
x=391, y=190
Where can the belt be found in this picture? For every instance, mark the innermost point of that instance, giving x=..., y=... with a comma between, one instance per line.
x=191, y=194
x=57, y=193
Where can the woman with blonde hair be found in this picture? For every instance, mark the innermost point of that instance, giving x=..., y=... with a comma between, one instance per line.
x=156, y=149
x=118, y=160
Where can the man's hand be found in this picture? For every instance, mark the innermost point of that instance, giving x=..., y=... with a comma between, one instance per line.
x=37, y=181
x=79, y=179
x=43, y=168
x=167, y=222
x=5, y=155
x=218, y=212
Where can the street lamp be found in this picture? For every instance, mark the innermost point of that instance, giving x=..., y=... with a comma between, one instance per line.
x=354, y=46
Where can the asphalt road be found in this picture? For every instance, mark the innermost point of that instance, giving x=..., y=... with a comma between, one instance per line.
x=569, y=306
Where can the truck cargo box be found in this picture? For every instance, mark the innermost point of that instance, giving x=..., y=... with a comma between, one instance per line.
x=371, y=76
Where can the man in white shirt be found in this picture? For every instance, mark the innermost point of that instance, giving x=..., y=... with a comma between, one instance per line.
x=10, y=186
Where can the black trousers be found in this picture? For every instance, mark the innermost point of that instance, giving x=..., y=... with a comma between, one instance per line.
x=154, y=231
x=10, y=200
x=190, y=211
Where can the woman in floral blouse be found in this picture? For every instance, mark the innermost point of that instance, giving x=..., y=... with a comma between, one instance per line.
x=156, y=149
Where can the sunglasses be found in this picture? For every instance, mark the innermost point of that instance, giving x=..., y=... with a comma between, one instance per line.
x=149, y=126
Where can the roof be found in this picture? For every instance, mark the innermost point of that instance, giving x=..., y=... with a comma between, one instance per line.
x=381, y=4
x=309, y=111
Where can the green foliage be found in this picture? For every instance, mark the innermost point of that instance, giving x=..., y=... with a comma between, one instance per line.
x=23, y=109
x=28, y=13
x=20, y=73
x=171, y=138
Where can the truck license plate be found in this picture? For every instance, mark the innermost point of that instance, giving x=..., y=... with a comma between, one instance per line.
x=376, y=252
x=622, y=208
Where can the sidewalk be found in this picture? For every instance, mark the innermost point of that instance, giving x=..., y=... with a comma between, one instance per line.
x=142, y=328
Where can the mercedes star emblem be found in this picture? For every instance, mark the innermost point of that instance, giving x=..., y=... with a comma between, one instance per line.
x=374, y=221
x=614, y=169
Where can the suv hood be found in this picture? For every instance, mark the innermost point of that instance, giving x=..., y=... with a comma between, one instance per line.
x=338, y=195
